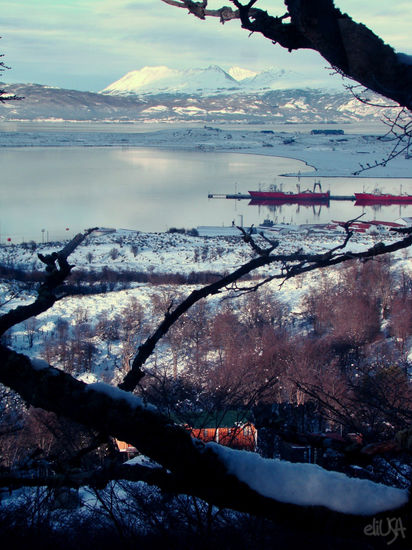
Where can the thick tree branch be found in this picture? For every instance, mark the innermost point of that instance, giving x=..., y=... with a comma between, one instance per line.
x=350, y=47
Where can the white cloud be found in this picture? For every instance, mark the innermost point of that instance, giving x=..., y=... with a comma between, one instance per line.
x=88, y=44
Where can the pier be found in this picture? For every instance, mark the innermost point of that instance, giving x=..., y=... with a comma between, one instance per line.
x=228, y=196
x=240, y=196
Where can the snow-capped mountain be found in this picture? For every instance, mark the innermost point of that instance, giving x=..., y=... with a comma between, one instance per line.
x=273, y=79
x=212, y=95
x=210, y=81
x=164, y=80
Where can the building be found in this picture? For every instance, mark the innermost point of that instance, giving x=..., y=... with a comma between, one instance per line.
x=229, y=428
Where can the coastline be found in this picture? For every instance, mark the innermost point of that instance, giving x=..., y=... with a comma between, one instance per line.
x=324, y=155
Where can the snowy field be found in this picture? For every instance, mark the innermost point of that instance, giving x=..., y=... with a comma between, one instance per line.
x=178, y=253
x=161, y=254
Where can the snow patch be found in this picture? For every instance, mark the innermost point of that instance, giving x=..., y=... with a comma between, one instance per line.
x=240, y=74
x=142, y=460
x=309, y=484
x=155, y=109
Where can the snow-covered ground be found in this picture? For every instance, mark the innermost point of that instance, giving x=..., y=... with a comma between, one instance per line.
x=124, y=250
x=158, y=254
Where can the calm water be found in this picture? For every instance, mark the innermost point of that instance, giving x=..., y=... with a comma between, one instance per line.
x=152, y=190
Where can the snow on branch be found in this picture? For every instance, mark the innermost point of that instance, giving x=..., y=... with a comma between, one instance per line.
x=309, y=484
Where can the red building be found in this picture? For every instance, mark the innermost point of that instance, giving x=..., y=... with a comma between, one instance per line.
x=229, y=428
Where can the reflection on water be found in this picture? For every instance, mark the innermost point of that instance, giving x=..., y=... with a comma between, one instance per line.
x=306, y=208
x=333, y=210
x=152, y=190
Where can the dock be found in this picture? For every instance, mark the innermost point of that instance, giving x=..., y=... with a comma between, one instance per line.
x=342, y=198
x=240, y=196
x=228, y=196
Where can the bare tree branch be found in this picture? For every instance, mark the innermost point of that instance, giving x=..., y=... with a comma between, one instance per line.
x=199, y=9
x=3, y=94
x=57, y=270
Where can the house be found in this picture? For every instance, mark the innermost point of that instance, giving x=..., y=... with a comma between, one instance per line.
x=230, y=428
x=125, y=448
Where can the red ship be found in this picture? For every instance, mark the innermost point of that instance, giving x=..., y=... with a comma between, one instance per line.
x=277, y=195
x=382, y=198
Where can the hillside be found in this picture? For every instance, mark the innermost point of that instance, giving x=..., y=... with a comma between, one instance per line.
x=113, y=269
x=159, y=94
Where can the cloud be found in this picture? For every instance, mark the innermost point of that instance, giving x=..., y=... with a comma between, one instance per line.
x=100, y=40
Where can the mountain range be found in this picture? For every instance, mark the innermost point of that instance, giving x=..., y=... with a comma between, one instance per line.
x=209, y=81
x=211, y=95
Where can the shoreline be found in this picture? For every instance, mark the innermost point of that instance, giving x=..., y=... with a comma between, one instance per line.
x=324, y=155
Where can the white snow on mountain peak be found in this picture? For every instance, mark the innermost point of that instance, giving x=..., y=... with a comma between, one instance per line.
x=274, y=79
x=209, y=80
x=238, y=73
x=163, y=79
x=136, y=80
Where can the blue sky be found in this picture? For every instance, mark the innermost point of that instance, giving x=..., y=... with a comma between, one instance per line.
x=87, y=44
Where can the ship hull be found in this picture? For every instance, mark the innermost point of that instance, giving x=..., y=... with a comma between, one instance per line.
x=384, y=198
